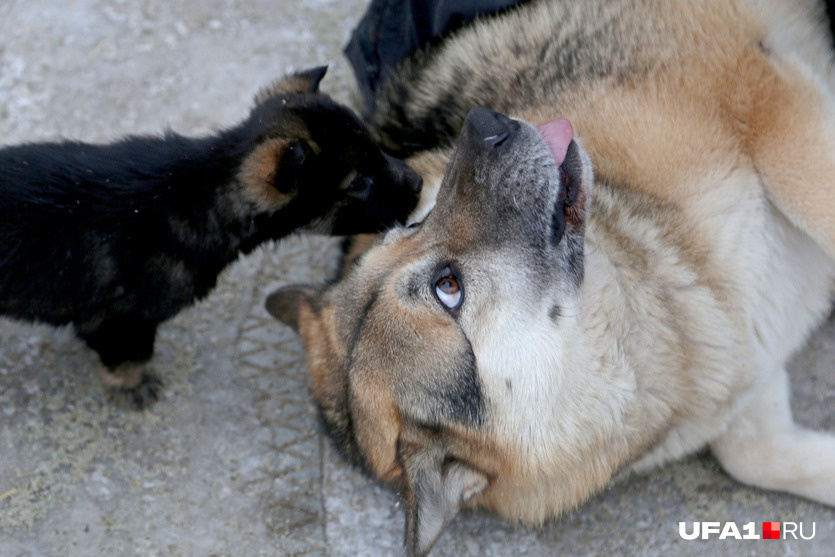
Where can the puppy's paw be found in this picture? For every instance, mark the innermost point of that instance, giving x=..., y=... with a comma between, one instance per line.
x=132, y=387
x=140, y=396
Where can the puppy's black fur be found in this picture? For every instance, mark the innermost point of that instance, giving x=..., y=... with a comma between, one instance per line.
x=118, y=238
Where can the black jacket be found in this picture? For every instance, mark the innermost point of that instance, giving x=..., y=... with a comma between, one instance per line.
x=390, y=30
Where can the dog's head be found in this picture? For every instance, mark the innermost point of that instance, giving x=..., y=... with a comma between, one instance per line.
x=439, y=361
x=313, y=160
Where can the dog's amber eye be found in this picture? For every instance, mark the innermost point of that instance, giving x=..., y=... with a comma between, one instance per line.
x=448, y=291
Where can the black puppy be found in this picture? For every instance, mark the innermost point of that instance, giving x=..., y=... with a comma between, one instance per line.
x=117, y=238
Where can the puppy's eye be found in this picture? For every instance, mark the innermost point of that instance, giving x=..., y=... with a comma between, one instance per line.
x=360, y=186
x=415, y=225
x=448, y=289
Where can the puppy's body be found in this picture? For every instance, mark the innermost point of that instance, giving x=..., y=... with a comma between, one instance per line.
x=117, y=238
x=688, y=267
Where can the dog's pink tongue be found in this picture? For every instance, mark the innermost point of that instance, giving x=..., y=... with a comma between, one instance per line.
x=557, y=134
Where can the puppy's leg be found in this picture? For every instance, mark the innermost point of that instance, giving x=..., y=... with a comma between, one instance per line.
x=791, y=135
x=763, y=447
x=124, y=345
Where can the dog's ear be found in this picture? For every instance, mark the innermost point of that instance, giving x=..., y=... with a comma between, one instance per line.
x=302, y=82
x=285, y=303
x=436, y=487
x=304, y=309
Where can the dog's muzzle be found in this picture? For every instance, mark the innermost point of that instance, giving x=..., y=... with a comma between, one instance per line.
x=489, y=129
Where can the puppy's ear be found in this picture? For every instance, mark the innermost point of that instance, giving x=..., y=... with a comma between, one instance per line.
x=307, y=81
x=269, y=173
x=285, y=303
x=302, y=82
x=436, y=488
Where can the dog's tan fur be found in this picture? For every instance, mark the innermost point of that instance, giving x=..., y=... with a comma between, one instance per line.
x=707, y=234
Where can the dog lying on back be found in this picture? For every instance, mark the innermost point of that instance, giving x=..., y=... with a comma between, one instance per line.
x=613, y=278
x=117, y=238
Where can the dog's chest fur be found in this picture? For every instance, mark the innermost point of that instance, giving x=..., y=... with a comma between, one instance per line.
x=668, y=323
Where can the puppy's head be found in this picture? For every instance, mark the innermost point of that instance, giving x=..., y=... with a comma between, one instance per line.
x=314, y=162
x=437, y=361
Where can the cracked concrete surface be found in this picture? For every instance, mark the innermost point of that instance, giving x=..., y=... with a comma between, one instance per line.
x=231, y=461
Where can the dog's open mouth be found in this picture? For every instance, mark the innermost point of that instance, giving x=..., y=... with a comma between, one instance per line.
x=559, y=137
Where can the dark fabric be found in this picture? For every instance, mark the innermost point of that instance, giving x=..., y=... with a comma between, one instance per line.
x=830, y=12
x=390, y=30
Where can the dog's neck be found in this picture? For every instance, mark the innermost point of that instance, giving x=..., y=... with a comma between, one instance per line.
x=645, y=300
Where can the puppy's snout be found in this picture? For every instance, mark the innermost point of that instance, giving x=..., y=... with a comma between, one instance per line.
x=487, y=127
x=414, y=180
x=411, y=179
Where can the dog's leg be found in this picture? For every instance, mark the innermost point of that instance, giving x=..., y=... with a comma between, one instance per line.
x=124, y=345
x=791, y=134
x=763, y=447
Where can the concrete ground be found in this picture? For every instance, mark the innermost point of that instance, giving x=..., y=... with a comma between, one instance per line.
x=231, y=461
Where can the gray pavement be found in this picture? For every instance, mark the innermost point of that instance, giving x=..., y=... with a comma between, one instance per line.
x=231, y=461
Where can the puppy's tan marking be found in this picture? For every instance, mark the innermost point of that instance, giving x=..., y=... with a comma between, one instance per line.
x=258, y=175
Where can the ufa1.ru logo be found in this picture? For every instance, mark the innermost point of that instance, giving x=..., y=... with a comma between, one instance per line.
x=770, y=531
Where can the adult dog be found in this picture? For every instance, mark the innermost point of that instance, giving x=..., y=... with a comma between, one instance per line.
x=117, y=238
x=575, y=307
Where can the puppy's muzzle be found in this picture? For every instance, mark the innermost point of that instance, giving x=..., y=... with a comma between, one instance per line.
x=404, y=174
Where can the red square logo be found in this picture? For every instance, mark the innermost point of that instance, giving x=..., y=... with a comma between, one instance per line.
x=771, y=530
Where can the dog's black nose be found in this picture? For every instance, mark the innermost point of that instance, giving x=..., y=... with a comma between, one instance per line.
x=488, y=126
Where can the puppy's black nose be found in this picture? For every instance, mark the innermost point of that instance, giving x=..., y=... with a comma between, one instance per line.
x=411, y=179
x=488, y=126
x=415, y=181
